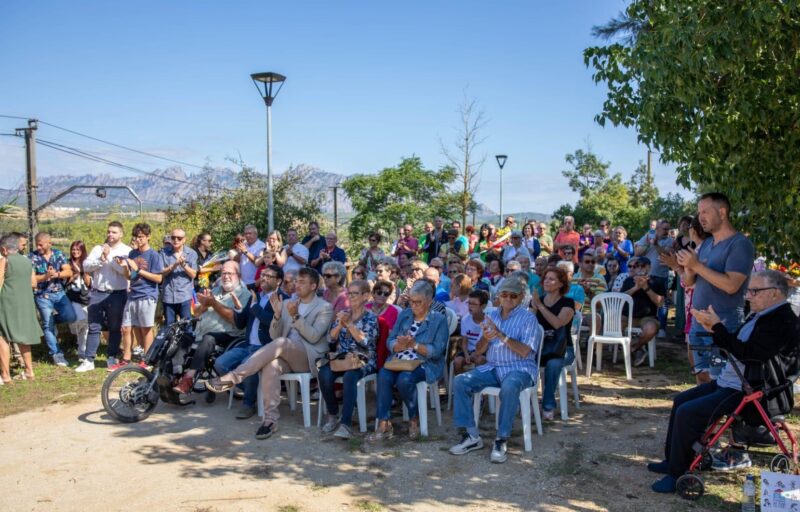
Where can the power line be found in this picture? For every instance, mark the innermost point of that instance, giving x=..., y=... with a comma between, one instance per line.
x=120, y=145
x=14, y=117
x=95, y=158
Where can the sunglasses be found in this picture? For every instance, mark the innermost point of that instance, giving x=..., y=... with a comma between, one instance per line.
x=589, y=261
x=452, y=272
x=382, y=293
x=508, y=295
x=636, y=266
x=328, y=276
x=437, y=267
x=358, y=274
x=271, y=276
x=177, y=237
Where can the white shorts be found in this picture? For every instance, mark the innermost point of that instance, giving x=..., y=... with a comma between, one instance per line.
x=139, y=313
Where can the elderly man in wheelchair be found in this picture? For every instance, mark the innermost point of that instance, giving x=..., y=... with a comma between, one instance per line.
x=216, y=328
x=763, y=358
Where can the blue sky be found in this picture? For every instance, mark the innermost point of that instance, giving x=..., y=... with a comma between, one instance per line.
x=368, y=83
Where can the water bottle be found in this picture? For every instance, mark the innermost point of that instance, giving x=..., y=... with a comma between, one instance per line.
x=749, y=495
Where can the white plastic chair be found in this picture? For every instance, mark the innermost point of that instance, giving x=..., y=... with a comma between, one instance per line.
x=361, y=401
x=304, y=379
x=528, y=398
x=577, y=321
x=613, y=330
x=259, y=400
x=423, y=389
x=651, y=348
x=452, y=320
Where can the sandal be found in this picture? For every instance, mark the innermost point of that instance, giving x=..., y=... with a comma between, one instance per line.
x=413, y=430
x=24, y=376
x=382, y=434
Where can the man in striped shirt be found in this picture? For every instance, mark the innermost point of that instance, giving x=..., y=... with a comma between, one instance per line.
x=514, y=338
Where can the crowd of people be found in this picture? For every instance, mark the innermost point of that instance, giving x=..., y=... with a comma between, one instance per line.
x=500, y=303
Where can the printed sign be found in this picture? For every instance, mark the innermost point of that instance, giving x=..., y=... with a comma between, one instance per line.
x=779, y=492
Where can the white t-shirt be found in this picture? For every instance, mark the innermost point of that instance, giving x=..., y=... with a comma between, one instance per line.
x=256, y=322
x=248, y=268
x=291, y=263
x=472, y=331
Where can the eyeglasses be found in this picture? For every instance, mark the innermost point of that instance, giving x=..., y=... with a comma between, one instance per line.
x=476, y=304
x=636, y=266
x=589, y=261
x=353, y=294
x=382, y=293
x=756, y=291
x=328, y=276
x=416, y=302
x=437, y=267
x=177, y=237
x=508, y=295
x=271, y=276
x=361, y=274
x=449, y=272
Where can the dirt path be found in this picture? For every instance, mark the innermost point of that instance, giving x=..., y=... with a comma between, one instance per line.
x=74, y=457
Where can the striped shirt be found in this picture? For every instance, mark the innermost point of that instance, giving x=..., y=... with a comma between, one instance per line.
x=521, y=325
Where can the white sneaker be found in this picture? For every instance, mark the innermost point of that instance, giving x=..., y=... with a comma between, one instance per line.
x=331, y=423
x=499, y=451
x=467, y=444
x=60, y=360
x=85, y=366
x=343, y=432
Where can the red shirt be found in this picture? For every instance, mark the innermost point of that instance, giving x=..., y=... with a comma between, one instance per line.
x=572, y=238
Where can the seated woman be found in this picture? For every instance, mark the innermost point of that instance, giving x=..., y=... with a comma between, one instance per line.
x=381, y=292
x=459, y=294
x=334, y=275
x=554, y=312
x=354, y=331
x=419, y=335
x=474, y=269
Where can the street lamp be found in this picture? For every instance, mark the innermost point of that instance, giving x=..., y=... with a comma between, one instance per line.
x=265, y=83
x=501, y=161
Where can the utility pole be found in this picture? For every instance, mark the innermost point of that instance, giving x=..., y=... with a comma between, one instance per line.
x=335, y=209
x=649, y=167
x=30, y=176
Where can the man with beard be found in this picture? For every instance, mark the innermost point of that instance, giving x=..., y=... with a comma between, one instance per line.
x=216, y=326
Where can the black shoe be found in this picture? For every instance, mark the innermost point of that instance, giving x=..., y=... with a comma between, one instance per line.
x=245, y=412
x=266, y=431
x=659, y=467
x=217, y=385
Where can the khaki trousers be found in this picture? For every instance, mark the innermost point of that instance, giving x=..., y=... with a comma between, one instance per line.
x=280, y=356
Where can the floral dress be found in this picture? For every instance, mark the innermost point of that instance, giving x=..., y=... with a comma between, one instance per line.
x=368, y=324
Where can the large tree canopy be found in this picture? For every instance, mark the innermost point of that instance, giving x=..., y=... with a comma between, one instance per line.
x=714, y=87
x=408, y=193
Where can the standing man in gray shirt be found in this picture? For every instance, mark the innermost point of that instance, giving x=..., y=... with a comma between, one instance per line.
x=180, y=269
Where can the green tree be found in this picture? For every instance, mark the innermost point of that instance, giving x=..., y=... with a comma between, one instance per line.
x=407, y=193
x=588, y=171
x=641, y=188
x=225, y=214
x=713, y=87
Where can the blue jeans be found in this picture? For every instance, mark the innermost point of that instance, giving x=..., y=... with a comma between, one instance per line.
x=179, y=309
x=105, y=310
x=467, y=384
x=552, y=372
x=703, y=358
x=233, y=358
x=692, y=412
x=406, y=383
x=327, y=380
x=47, y=304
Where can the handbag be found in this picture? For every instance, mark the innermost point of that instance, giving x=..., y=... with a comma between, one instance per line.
x=402, y=365
x=78, y=292
x=347, y=361
x=554, y=344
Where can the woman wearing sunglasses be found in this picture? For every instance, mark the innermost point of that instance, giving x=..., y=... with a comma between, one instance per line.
x=334, y=275
x=379, y=304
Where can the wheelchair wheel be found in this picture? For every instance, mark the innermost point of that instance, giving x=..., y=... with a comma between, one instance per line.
x=690, y=487
x=210, y=397
x=125, y=394
x=780, y=464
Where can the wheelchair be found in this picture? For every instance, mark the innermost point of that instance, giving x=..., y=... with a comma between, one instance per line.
x=129, y=394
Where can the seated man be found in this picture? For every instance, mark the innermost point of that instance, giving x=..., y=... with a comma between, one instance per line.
x=513, y=336
x=648, y=294
x=255, y=317
x=216, y=325
x=299, y=331
x=770, y=335
x=593, y=284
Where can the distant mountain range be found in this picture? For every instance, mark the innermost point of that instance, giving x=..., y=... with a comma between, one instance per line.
x=173, y=186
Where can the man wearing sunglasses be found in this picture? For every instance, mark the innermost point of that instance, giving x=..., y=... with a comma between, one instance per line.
x=180, y=268
x=648, y=294
x=513, y=337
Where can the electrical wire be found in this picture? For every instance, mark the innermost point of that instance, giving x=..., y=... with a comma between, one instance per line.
x=14, y=117
x=120, y=145
x=96, y=158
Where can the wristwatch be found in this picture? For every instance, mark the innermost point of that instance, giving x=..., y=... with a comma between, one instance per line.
x=295, y=317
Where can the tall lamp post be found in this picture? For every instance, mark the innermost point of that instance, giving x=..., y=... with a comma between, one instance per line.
x=265, y=83
x=501, y=161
